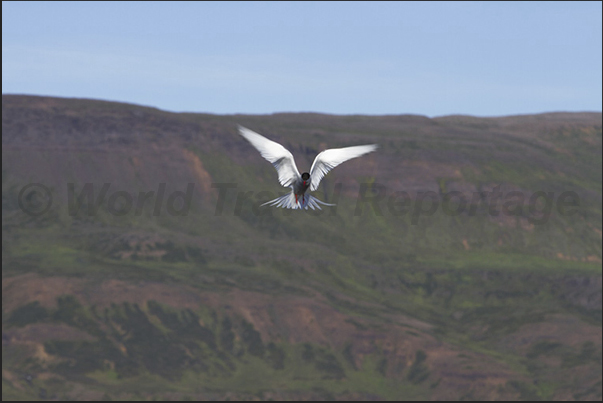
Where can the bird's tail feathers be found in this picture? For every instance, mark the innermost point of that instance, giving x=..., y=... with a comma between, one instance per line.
x=288, y=201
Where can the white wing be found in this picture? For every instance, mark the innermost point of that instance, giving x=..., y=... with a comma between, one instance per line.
x=329, y=159
x=276, y=154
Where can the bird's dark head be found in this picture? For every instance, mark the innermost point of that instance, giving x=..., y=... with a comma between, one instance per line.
x=305, y=177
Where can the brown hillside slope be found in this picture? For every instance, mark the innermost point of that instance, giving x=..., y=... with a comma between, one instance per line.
x=248, y=305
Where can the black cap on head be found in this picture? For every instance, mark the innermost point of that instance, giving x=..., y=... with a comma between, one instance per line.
x=305, y=176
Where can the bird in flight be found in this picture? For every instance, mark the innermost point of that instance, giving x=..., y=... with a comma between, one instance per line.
x=289, y=176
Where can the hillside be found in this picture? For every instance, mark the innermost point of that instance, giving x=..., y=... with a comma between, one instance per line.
x=128, y=299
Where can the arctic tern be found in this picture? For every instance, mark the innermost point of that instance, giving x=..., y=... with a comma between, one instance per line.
x=289, y=176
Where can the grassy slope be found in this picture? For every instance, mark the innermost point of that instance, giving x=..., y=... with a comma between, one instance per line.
x=477, y=285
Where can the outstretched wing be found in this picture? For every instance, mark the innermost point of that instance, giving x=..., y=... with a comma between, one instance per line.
x=329, y=159
x=276, y=154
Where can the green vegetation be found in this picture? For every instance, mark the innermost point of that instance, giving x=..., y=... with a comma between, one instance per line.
x=260, y=303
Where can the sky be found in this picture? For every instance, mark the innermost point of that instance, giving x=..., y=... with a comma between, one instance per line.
x=374, y=58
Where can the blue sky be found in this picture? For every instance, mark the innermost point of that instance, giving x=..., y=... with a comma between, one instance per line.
x=484, y=59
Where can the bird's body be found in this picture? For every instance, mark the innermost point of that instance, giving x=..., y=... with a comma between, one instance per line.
x=300, y=188
x=289, y=176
